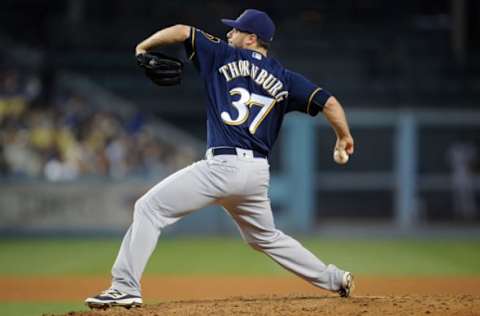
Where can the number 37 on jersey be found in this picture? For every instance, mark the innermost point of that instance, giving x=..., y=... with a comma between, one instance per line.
x=244, y=102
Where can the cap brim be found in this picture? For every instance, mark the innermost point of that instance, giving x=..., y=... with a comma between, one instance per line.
x=229, y=22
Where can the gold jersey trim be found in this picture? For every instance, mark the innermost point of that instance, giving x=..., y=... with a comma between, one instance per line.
x=193, y=31
x=311, y=98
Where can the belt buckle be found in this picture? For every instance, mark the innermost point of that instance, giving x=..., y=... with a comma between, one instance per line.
x=244, y=153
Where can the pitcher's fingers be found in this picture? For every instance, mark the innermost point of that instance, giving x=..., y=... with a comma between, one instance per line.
x=350, y=149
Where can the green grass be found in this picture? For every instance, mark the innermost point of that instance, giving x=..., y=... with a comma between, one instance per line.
x=226, y=256
x=36, y=309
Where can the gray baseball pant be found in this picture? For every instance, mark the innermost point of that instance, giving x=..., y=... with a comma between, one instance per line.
x=238, y=183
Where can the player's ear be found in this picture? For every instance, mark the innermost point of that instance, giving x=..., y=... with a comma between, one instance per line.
x=251, y=39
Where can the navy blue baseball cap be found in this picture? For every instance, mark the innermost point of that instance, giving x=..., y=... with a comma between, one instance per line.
x=254, y=21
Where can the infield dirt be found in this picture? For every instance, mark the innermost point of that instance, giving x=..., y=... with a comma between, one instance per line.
x=297, y=305
x=263, y=296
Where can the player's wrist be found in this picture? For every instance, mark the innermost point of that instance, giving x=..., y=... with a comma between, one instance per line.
x=343, y=134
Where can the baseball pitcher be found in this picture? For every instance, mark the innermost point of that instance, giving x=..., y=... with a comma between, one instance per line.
x=248, y=95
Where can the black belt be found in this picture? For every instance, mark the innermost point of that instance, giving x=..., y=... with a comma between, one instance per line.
x=232, y=151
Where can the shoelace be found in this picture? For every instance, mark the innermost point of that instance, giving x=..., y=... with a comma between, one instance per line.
x=111, y=292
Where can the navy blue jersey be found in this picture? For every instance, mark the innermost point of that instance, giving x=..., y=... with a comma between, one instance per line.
x=248, y=94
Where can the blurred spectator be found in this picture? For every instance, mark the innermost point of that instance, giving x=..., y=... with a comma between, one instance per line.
x=69, y=139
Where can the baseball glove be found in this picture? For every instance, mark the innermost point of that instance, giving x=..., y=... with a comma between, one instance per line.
x=163, y=70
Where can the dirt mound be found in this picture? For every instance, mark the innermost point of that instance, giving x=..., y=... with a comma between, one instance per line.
x=216, y=295
x=298, y=305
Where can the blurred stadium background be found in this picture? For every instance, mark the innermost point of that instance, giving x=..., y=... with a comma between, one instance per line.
x=83, y=134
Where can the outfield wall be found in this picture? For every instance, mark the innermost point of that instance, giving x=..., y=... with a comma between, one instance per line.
x=87, y=208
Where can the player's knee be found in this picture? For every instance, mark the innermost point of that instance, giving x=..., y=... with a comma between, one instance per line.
x=147, y=209
x=141, y=207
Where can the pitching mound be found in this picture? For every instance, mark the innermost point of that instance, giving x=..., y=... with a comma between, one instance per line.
x=209, y=295
x=297, y=305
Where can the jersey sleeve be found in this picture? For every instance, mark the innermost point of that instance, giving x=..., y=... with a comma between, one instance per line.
x=205, y=50
x=305, y=96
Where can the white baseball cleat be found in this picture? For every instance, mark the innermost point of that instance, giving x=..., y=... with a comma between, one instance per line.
x=347, y=285
x=112, y=297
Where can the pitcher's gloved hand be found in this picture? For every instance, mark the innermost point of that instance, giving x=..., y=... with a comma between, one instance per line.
x=162, y=69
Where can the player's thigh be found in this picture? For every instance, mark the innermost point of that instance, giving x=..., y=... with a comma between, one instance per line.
x=254, y=220
x=182, y=192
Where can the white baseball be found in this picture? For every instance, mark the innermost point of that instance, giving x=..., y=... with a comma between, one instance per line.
x=340, y=156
